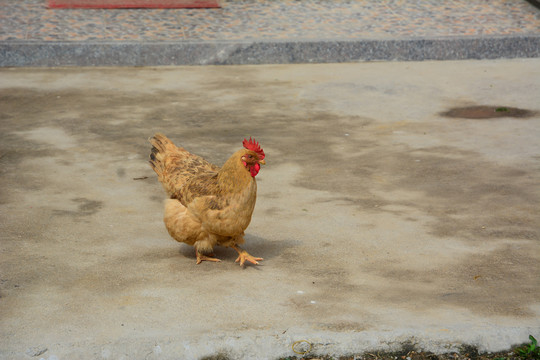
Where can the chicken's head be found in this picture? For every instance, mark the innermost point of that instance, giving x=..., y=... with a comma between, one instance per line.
x=253, y=156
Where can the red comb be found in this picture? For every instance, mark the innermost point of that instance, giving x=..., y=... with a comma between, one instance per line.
x=254, y=146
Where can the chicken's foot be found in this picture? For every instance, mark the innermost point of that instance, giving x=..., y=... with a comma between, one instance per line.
x=202, y=257
x=243, y=256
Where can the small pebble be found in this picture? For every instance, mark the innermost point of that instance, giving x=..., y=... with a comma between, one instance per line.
x=36, y=351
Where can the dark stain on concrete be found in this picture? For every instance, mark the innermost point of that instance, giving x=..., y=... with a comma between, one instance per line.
x=121, y=172
x=487, y=112
x=85, y=207
x=485, y=283
x=457, y=188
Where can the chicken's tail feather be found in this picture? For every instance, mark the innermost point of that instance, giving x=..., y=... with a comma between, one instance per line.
x=160, y=146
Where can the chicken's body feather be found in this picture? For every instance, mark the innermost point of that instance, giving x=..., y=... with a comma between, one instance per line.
x=175, y=165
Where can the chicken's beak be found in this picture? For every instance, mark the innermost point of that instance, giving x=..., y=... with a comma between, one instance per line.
x=262, y=162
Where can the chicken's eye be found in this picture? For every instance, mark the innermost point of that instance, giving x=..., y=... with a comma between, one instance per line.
x=250, y=156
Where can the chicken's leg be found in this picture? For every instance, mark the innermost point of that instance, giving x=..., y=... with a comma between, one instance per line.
x=202, y=257
x=243, y=256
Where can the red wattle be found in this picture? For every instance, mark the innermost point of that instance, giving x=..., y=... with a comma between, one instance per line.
x=254, y=170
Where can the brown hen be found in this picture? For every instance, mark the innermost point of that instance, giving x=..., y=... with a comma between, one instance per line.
x=208, y=205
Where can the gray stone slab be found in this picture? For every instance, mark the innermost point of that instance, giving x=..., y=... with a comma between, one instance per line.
x=264, y=52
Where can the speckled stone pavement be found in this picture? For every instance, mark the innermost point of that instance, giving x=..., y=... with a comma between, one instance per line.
x=255, y=32
x=31, y=20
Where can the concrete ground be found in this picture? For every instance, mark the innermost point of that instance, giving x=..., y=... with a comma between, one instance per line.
x=381, y=221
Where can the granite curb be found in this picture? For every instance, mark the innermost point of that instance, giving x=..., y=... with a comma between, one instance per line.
x=65, y=53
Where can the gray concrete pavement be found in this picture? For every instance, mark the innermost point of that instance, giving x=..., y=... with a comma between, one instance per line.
x=381, y=222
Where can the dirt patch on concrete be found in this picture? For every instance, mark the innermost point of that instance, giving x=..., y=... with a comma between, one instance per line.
x=488, y=112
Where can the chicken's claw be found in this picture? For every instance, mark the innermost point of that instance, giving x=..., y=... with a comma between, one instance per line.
x=201, y=258
x=243, y=256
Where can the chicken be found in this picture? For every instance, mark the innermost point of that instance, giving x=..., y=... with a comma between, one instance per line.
x=208, y=205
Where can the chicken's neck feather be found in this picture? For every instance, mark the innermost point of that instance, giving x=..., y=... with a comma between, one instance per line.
x=233, y=175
